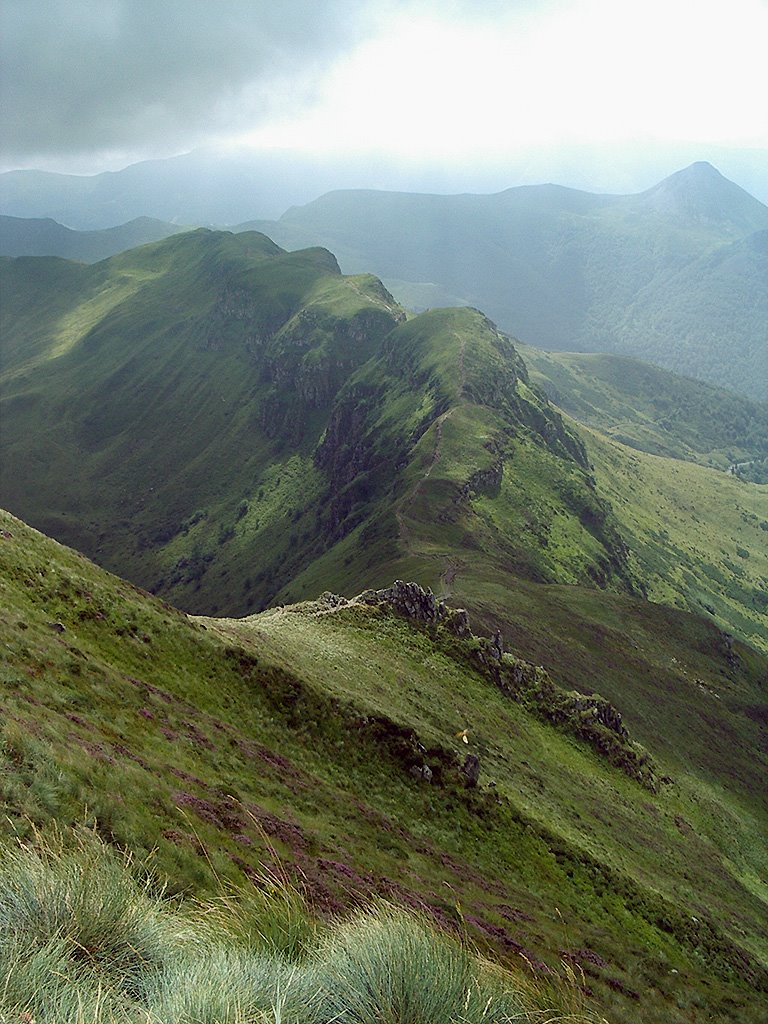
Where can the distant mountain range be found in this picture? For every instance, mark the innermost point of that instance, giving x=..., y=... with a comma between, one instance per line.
x=201, y=187
x=677, y=275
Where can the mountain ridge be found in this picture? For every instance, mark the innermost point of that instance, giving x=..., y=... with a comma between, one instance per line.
x=564, y=269
x=295, y=432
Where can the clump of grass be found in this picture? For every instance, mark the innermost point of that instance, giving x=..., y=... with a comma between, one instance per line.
x=222, y=985
x=72, y=911
x=388, y=966
x=272, y=918
x=84, y=941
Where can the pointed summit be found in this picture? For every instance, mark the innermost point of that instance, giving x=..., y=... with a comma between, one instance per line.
x=701, y=193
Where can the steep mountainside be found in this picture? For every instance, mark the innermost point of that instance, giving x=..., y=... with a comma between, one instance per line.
x=211, y=416
x=567, y=269
x=151, y=392
x=231, y=425
x=331, y=735
x=20, y=236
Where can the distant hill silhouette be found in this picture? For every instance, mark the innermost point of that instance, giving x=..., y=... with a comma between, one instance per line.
x=22, y=236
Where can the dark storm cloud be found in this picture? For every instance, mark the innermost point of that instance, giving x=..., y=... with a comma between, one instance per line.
x=93, y=75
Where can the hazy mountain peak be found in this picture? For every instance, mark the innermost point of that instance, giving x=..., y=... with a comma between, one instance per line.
x=702, y=193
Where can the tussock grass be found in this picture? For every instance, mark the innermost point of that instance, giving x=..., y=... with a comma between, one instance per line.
x=389, y=967
x=85, y=940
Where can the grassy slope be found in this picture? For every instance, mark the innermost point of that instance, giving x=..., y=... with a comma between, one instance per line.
x=487, y=469
x=650, y=409
x=284, y=734
x=697, y=536
x=482, y=502
x=148, y=397
x=218, y=371
x=85, y=940
x=220, y=421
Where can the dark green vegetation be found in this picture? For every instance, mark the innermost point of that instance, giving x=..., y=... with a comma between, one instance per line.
x=21, y=236
x=677, y=275
x=302, y=733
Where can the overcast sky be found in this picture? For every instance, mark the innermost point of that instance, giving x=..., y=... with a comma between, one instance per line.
x=95, y=84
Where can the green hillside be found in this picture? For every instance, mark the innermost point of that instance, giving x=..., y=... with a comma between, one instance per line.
x=716, y=309
x=230, y=425
x=303, y=734
x=156, y=391
x=655, y=411
x=669, y=275
x=216, y=456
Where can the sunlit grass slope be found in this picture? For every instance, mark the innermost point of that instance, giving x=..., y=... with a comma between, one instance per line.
x=151, y=400
x=228, y=747
x=698, y=537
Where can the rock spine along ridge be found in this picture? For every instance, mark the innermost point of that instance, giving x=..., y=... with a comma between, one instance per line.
x=591, y=718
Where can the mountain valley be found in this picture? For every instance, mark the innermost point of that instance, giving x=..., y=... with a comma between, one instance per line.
x=552, y=741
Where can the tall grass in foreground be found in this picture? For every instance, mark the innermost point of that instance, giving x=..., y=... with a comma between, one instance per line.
x=84, y=941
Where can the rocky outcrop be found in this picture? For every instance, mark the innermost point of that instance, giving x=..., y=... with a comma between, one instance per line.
x=483, y=481
x=471, y=770
x=589, y=717
x=413, y=602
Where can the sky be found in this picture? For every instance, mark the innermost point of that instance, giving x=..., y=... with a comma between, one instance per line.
x=481, y=87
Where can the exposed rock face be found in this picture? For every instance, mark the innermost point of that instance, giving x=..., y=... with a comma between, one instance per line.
x=422, y=773
x=471, y=770
x=483, y=481
x=496, y=646
x=603, y=712
x=726, y=649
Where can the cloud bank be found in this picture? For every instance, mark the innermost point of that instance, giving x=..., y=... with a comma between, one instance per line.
x=100, y=75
